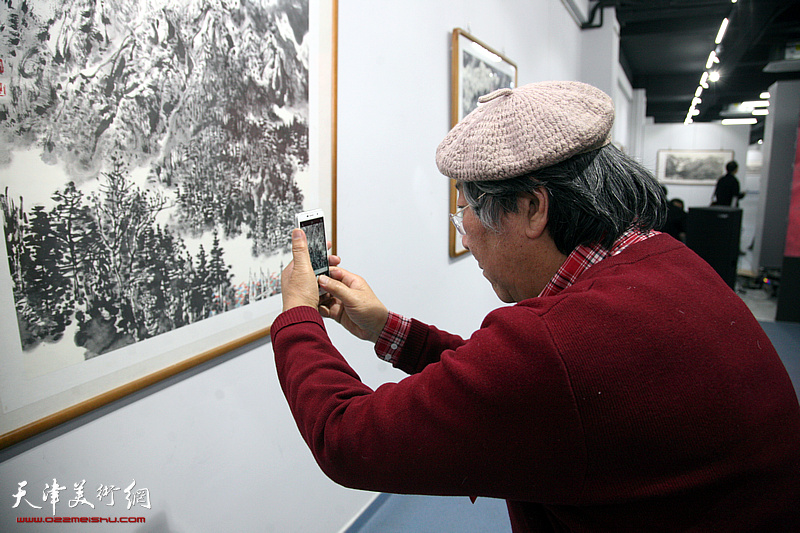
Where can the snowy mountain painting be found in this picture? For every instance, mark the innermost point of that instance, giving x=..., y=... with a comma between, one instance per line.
x=150, y=161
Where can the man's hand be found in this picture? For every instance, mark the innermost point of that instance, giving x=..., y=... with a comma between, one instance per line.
x=298, y=282
x=351, y=302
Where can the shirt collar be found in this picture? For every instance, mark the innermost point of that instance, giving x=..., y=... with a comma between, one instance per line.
x=584, y=256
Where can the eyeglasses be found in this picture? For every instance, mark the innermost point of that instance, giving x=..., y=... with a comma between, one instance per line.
x=457, y=218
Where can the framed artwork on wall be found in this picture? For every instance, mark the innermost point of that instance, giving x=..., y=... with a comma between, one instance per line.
x=691, y=167
x=476, y=70
x=152, y=158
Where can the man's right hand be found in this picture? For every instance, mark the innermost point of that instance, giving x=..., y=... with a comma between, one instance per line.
x=351, y=302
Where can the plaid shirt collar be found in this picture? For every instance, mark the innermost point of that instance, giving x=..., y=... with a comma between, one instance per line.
x=397, y=328
x=585, y=256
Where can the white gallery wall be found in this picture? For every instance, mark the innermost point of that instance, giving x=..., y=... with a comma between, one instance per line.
x=217, y=447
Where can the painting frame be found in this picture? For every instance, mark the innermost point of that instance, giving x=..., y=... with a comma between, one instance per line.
x=467, y=84
x=691, y=167
x=182, y=349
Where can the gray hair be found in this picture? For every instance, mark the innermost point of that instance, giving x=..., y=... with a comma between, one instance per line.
x=594, y=197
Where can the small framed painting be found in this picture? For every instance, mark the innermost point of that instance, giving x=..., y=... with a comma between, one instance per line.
x=477, y=69
x=692, y=167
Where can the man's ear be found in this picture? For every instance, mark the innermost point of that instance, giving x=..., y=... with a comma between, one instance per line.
x=537, y=205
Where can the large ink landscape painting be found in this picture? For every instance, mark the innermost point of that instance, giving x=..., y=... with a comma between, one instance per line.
x=152, y=156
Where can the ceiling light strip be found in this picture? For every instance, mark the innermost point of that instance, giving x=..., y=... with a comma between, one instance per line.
x=721, y=32
x=738, y=121
x=714, y=76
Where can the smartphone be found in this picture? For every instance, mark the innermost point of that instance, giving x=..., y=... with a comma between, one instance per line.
x=313, y=223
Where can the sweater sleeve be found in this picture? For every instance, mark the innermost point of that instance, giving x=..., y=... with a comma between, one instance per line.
x=487, y=418
x=424, y=345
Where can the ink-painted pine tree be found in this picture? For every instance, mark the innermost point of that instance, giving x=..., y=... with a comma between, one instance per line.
x=162, y=281
x=44, y=310
x=145, y=285
x=75, y=229
x=174, y=277
x=122, y=213
x=219, y=275
x=14, y=219
x=201, y=291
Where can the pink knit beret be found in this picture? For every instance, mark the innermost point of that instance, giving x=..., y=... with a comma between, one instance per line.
x=515, y=131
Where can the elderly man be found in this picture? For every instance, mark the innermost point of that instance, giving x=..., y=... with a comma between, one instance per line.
x=629, y=389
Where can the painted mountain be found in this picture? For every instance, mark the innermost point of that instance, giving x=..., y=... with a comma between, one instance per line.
x=179, y=127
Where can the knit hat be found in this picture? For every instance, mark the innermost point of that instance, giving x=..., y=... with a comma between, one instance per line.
x=515, y=131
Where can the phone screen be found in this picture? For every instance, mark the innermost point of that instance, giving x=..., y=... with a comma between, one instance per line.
x=317, y=249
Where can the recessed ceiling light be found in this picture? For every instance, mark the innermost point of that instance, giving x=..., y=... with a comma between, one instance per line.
x=738, y=121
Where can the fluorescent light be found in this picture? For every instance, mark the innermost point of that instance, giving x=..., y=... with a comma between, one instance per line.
x=760, y=112
x=699, y=91
x=711, y=57
x=764, y=96
x=721, y=32
x=752, y=104
x=738, y=121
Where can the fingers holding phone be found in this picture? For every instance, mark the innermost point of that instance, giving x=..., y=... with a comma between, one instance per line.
x=349, y=299
x=352, y=303
x=309, y=260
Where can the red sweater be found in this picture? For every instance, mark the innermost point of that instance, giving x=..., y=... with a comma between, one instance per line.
x=645, y=397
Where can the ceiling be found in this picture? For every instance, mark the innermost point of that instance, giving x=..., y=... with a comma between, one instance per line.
x=665, y=44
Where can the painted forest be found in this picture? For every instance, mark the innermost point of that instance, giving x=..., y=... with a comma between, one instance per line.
x=210, y=98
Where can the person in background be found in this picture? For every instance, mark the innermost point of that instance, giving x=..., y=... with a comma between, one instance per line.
x=676, y=220
x=627, y=389
x=727, y=189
